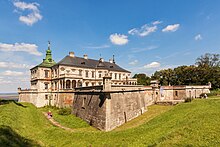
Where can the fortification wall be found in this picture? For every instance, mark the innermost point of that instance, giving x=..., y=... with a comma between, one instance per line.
x=28, y=97
x=91, y=107
x=41, y=99
x=123, y=107
x=168, y=93
x=107, y=110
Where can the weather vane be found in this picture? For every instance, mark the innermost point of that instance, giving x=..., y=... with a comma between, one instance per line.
x=48, y=44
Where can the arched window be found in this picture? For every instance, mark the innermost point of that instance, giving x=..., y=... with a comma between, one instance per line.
x=68, y=84
x=79, y=84
x=73, y=84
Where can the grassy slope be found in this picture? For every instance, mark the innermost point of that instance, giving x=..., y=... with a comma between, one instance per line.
x=195, y=123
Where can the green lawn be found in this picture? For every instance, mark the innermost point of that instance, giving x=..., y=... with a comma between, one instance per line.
x=187, y=124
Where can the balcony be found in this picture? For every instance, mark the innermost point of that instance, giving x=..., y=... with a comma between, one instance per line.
x=70, y=75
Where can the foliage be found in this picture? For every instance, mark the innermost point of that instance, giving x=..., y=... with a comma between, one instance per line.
x=186, y=124
x=64, y=111
x=142, y=79
x=208, y=60
x=189, y=99
x=215, y=92
x=207, y=69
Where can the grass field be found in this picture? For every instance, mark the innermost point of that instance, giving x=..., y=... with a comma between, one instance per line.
x=186, y=124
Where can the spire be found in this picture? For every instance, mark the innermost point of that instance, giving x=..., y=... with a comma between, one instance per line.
x=48, y=61
x=48, y=45
x=113, y=59
x=48, y=58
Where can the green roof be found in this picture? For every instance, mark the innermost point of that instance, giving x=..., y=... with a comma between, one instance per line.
x=48, y=61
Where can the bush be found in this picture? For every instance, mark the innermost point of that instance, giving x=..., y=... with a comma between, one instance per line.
x=215, y=92
x=189, y=99
x=64, y=111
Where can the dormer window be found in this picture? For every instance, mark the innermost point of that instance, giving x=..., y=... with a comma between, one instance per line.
x=111, y=66
x=83, y=63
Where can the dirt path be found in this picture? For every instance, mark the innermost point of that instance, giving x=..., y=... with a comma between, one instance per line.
x=55, y=123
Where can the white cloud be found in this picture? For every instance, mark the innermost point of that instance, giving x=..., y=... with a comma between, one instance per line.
x=198, y=37
x=5, y=81
x=14, y=65
x=143, y=31
x=11, y=73
x=156, y=22
x=21, y=47
x=98, y=47
x=34, y=15
x=133, y=62
x=118, y=39
x=152, y=65
x=137, y=50
x=171, y=28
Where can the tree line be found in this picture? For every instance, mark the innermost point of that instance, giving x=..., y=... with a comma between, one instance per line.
x=206, y=69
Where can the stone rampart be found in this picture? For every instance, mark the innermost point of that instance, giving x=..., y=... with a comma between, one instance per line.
x=107, y=110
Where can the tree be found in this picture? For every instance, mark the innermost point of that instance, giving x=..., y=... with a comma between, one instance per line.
x=142, y=79
x=208, y=60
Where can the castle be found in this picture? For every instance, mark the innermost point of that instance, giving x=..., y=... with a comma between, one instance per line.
x=101, y=93
x=51, y=80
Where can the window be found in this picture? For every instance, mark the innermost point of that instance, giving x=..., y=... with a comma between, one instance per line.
x=111, y=74
x=80, y=72
x=46, y=97
x=100, y=83
x=115, y=75
x=176, y=93
x=119, y=76
x=68, y=84
x=100, y=74
x=46, y=74
x=93, y=84
x=87, y=73
x=79, y=84
x=55, y=85
x=93, y=74
x=46, y=85
x=83, y=103
x=87, y=83
x=52, y=74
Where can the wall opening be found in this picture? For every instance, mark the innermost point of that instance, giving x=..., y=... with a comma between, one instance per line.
x=125, y=117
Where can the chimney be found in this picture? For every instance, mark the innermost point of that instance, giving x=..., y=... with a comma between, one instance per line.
x=71, y=54
x=110, y=61
x=101, y=59
x=85, y=56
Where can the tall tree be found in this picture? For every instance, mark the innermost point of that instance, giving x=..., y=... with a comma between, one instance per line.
x=142, y=79
x=211, y=60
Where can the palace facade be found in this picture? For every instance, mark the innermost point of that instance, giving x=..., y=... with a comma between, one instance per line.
x=49, y=78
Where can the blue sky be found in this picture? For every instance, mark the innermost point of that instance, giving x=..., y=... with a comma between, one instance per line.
x=144, y=35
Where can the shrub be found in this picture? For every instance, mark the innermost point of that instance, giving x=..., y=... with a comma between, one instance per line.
x=189, y=99
x=215, y=92
x=64, y=111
